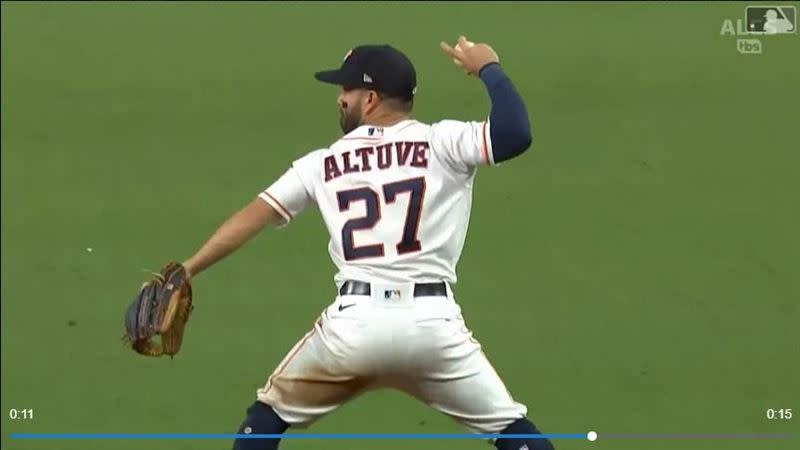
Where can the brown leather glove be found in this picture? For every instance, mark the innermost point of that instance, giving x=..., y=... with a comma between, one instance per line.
x=161, y=308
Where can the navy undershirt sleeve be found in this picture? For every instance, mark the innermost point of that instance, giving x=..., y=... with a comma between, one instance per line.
x=509, y=126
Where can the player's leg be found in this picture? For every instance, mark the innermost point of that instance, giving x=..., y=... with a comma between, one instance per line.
x=522, y=426
x=463, y=384
x=312, y=380
x=478, y=399
x=261, y=419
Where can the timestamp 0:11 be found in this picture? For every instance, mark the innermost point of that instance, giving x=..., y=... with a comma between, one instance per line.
x=20, y=414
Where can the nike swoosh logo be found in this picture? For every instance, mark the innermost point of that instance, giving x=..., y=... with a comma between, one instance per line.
x=343, y=307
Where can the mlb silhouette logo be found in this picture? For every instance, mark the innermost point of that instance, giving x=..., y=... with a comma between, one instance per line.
x=771, y=19
x=391, y=294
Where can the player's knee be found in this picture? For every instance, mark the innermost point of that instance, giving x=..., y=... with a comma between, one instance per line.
x=261, y=419
x=522, y=426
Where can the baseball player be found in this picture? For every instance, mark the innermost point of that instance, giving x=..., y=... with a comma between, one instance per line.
x=395, y=195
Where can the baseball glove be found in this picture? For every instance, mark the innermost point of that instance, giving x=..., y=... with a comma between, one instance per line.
x=162, y=308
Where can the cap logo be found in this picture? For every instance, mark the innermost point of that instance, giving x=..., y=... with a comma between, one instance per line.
x=367, y=78
x=347, y=55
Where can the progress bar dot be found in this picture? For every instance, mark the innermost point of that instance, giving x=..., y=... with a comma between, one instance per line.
x=592, y=436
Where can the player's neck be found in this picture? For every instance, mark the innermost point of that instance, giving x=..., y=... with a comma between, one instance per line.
x=386, y=119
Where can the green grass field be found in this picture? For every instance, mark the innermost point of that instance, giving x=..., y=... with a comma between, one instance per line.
x=635, y=272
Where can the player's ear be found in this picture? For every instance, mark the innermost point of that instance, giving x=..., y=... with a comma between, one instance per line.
x=372, y=98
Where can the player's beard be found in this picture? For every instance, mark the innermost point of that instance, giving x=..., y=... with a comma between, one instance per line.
x=349, y=118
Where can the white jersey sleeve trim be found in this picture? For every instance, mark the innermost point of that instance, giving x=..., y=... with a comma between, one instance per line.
x=276, y=205
x=486, y=144
x=465, y=145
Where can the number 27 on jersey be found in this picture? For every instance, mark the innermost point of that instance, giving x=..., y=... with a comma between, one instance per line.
x=414, y=187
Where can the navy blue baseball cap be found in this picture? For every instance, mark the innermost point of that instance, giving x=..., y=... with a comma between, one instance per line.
x=381, y=68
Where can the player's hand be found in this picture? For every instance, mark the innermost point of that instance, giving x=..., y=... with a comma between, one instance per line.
x=470, y=56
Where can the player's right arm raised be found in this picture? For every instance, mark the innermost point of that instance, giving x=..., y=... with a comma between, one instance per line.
x=509, y=125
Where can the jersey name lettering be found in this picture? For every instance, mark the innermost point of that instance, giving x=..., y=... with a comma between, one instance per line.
x=380, y=157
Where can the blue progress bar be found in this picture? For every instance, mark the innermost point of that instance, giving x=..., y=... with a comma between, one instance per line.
x=289, y=436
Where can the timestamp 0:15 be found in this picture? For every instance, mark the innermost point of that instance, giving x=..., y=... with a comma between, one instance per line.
x=779, y=414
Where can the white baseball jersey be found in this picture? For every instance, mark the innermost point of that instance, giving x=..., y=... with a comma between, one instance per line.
x=396, y=200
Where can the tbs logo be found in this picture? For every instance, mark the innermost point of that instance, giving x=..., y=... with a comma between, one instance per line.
x=761, y=20
x=748, y=46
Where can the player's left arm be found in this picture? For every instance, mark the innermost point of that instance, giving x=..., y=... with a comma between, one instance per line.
x=232, y=234
x=276, y=205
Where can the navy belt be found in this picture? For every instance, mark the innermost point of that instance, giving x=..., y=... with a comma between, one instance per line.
x=420, y=289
